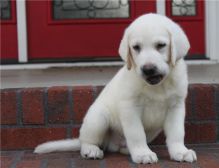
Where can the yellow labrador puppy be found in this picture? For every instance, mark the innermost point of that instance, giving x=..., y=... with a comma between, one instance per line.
x=146, y=96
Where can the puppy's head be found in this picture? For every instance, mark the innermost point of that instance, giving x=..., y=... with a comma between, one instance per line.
x=152, y=44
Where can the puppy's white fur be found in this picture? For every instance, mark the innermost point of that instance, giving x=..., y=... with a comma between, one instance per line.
x=130, y=112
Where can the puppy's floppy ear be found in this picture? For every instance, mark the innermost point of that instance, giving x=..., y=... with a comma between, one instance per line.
x=179, y=43
x=124, y=50
x=130, y=61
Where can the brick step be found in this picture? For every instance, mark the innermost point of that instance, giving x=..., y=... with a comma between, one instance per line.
x=208, y=157
x=30, y=116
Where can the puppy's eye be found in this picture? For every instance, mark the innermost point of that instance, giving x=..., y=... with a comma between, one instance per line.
x=137, y=48
x=160, y=46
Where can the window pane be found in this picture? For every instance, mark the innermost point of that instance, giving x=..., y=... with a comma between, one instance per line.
x=85, y=9
x=183, y=8
x=5, y=7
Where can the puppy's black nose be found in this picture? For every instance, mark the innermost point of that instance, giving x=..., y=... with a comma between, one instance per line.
x=149, y=69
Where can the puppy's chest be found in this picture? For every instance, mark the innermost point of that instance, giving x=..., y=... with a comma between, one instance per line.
x=154, y=113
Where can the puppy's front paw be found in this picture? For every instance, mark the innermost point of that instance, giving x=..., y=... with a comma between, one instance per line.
x=144, y=156
x=89, y=151
x=187, y=156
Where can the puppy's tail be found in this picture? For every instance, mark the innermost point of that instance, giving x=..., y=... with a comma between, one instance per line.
x=58, y=146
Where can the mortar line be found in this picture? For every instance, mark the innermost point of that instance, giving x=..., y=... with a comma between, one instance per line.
x=102, y=163
x=16, y=159
x=45, y=106
x=72, y=163
x=72, y=104
x=19, y=107
x=44, y=163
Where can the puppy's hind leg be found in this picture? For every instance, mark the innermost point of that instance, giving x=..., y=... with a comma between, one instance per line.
x=93, y=131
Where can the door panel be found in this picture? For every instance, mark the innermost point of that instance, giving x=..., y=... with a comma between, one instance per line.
x=84, y=38
x=8, y=33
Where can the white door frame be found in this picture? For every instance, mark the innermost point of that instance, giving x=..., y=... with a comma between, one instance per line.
x=22, y=31
x=161, y=7
x=212, y=29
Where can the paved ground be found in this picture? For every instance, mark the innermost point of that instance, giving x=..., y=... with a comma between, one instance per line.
x=208, y=157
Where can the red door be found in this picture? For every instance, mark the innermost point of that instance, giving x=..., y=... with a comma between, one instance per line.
x=63, y=29
x=8, y=32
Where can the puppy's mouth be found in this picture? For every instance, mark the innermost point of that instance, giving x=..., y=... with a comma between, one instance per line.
x=154, y=79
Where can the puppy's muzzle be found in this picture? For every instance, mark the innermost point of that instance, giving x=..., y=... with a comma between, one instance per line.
x=152, y=74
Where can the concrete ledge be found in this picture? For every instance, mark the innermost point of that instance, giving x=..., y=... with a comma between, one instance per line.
x=47, y=75
x=86, y=64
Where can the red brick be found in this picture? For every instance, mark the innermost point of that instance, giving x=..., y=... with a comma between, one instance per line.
x=207, y=133
x=8, y=107
x=32, y=106
x=117, y=160
x=52, y=156
x=159, y=140
x=200, y=132
x=207, y=161
x=99, y=90
x=216, y=99
x=28, y=138
x=58, y=163
x=173, y=164
x=82, y=99
x=5, y=161
x=28, y=164
x=189, y=103
x=161, y=151
x=75, y=132
x=191, y=135
x=204, y=105
x=80, y=162
x=154, y=165
x=29, y=155
x=58, y=105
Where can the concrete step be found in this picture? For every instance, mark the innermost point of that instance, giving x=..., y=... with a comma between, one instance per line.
x=78, y=74
x=30, y=116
